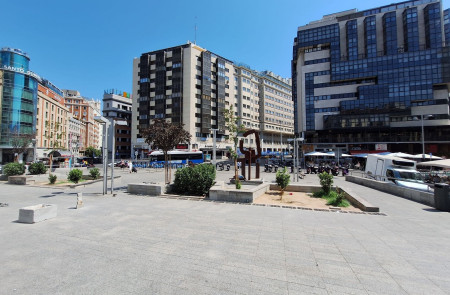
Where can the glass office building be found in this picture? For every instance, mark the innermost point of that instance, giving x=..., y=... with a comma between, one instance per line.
x=18, y=99
x=369, y=80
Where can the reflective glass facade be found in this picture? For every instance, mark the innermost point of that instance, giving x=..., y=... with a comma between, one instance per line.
x=367, y=90
x=19, y=96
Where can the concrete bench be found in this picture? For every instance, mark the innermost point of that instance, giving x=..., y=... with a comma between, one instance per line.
x=20, y=179
x=37, y=213
x=152, y=189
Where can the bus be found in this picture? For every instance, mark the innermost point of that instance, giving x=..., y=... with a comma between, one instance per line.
x=176, y=157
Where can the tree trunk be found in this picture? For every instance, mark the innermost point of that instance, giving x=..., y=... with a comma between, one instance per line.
x=166, y=167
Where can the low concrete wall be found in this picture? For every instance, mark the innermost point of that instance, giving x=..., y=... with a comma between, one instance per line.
x=20, y=179
x=219, y=193
x=357, y=201
x=426, y=198
x=152, y=189
x=36, y=213
x=298, y=188
x=351, y=196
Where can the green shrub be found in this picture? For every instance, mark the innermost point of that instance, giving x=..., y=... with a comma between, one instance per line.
x=75, y=175
x=94, y=173
x=337, y=199
x=37, y=168
x=52, y=178
x=282, y=179
x=195, y=180
x=12, y=169
x=326, y=181
x=182, y=180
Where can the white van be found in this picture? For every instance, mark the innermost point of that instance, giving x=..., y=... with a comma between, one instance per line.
x=396, y=170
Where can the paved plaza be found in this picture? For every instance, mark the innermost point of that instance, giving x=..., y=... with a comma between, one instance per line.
x=132, y=244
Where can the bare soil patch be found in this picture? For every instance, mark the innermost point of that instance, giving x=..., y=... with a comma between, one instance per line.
x=296, y=199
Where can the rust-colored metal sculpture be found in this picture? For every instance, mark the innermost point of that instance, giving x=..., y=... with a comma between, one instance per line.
x=250, y=154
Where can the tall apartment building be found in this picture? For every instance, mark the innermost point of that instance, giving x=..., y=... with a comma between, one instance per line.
x=190, y=85
x=52, y=118
x=264, y=102
x=368, y=80
x=18, y=100
x=85, y=109
x=117, y=107
x=75, y=133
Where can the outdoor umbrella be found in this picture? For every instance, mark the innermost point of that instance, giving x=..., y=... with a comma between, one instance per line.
x=426, y=157
x=402, y=155
x=439, y=163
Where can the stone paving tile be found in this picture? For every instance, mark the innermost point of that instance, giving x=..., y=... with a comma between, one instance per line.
x=174, y=246
x=268, y=285
x=380, y=285
x=419, y=286
x=349, y=289
x=305, y=289
x=304, y=279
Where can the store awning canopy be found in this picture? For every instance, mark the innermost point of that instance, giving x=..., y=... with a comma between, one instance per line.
x=319, y=154
x=60, y=154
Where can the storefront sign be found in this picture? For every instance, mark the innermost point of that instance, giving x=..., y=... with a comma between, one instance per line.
x=21, y=71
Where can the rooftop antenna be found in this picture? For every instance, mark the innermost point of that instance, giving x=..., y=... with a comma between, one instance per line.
x=195, y=30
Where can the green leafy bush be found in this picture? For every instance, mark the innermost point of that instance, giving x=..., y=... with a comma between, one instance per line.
x=195, y=180
x=182, y=180
x=282, y=179
x=75, y=175
x=94, y=173
x=326, y=181
x=12, y=169
x=337, y=199
x=37, y=168
x=52, y=178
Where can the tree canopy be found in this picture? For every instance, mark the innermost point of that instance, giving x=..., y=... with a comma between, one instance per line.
x=165, y=136
x=92, y=152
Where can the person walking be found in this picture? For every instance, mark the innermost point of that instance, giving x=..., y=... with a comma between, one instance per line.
x=130, y=166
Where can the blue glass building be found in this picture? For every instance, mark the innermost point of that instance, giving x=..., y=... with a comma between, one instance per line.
x=18, y=99
x=368, y=80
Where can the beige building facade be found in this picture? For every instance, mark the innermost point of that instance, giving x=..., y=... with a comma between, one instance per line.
x=52, y=118
x=85, y=109
x=190, y=85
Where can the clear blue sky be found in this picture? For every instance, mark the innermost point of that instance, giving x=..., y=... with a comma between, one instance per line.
x=89, y=45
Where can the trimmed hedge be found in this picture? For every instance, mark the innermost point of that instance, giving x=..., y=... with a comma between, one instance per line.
x=95, y=173
x=195, y=180
x=12, y=169
x=75, y=175
x=37, y=168
x=52, y=178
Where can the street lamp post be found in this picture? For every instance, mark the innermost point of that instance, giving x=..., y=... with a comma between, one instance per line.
x=423, y=139
x=423, y=135
x=105, y=122
x=33, y=141
x=214, y=146
x=113, y=148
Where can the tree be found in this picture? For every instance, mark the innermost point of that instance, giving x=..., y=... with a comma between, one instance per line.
x=54, y=134
x=234, y=128
x=282, y=178
x=92, y=152
x=165, y=136
x=20, y=142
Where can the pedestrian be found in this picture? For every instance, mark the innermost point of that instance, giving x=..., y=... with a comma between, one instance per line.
x=130, y=166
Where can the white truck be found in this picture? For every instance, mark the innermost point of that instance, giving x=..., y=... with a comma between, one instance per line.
x=396, y=170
